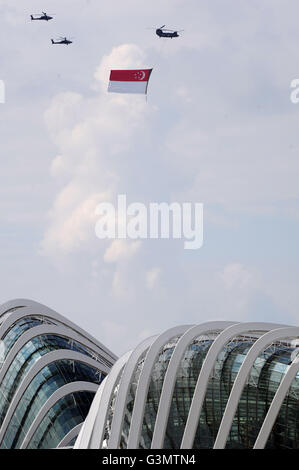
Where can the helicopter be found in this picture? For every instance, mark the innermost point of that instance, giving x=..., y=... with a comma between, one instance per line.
x=43, y=16
x=167, y=33
x=62, y=40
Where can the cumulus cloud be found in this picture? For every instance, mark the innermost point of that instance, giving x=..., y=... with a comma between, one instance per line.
x=71, y=226
x=152, y=277
x=92, y=135
x=121, y=286
x=236, y=276
x=121, y=249
x=218, y=128
x=126, y=56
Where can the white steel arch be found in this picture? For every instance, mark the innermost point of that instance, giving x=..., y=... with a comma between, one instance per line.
x=88, y=425
x=26, y=307
x=70, y=436
x=62, y=392
x=38, y=331
x=170, y=377
x=206, y=370
x=262, y=343
x=124, y=386
x=275, y=406
x=120, y=379
x=54, y=324
x=51, y=357
x=98, y=429
x=144, y=380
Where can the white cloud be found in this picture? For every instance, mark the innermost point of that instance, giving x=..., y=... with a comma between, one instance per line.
x=152, y=277
x=121, y=286
x=218, y=128
x=126, y=56
x=58, y=166
x=71, y=228
x=236, y=276
x=92, y=135
x=121, y=250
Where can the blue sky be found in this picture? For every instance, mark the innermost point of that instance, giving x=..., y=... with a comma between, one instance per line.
x=218, y=128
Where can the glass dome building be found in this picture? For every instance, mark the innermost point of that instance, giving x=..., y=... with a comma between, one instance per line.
x=215, y=385
x=50, y=370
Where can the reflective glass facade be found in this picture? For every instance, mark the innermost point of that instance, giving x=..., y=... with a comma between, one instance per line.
x=257, y=394
x=47, y=381
x=19, y=327
x=27, y=385
x=184, y=387
x=63, y=416
x=28, y=355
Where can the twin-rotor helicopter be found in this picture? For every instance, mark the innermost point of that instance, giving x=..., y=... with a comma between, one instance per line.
x=167, y=33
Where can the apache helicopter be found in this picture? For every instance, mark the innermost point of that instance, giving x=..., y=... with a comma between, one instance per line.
x=62, y=40
x=167, y=33
x=43, y=16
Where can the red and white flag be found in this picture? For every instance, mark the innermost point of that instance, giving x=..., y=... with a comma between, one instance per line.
x=129, y=81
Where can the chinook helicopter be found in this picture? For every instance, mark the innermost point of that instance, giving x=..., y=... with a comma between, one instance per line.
x=167, y=33
x=62, y=40
x=43, y=16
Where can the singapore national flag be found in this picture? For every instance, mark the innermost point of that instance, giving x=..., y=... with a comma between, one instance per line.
x=129, y=81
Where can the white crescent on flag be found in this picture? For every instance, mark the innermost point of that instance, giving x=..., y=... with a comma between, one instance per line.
x=129, y=81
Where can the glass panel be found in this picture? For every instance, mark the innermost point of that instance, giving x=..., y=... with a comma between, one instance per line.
x=159, y=370
x=46, y=382
x=285, y=432
x=27, y=356
x=18, y=328
x=183, y=391
x=264, y=379
x=61, y=418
